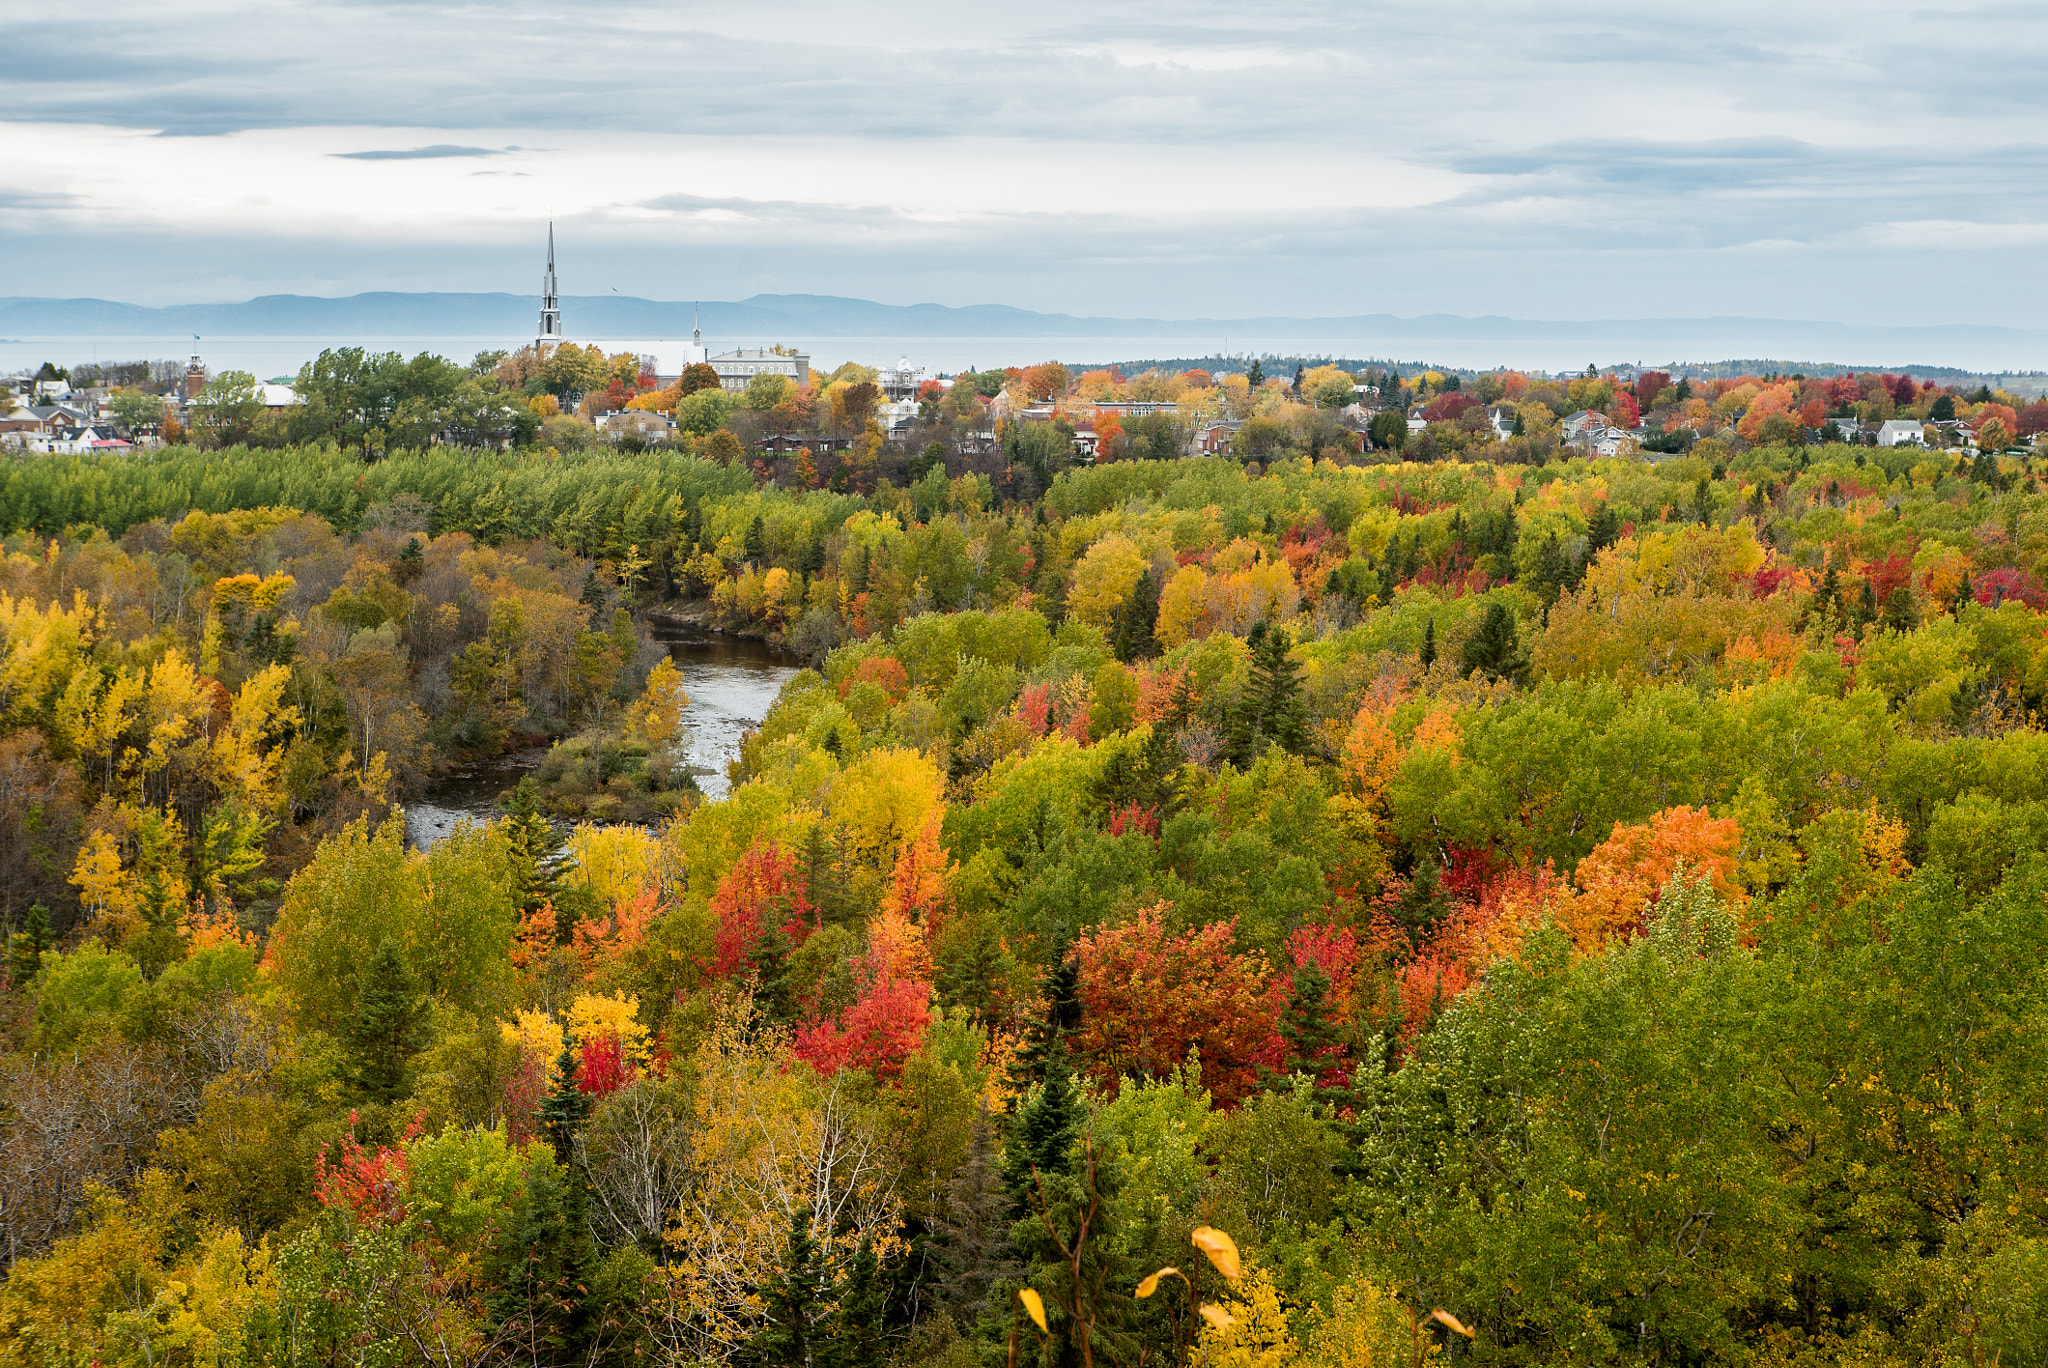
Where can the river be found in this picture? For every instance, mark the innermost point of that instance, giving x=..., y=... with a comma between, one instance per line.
x=731, y=682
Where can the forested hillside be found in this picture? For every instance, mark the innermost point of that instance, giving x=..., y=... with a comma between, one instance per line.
x=1599, y=902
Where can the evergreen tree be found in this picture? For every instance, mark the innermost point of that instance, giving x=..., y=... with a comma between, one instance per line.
x=537, y=1302
x=1256, y=376
x=1046, y=1035
x=1043, y=1132
x=1422, y=903
x=859, y=1324
x=813, y=558
x=1299, y=371
x=537, y=848
x=1271, y=709
x=1494, y=650
x=566, y=1107
x=774, y=989
x=1427, y=656
x=387, y=1026
x=25, y=950
x=1519, y=429
x=1553, y=570
x=794, y=1306
x=412, y=563
x=1965, y=594
x=1899, y=613
x=756, y=547
x=1136, y=621
x=1866, y=606
x=1602, y=530
x=972, y=1246
x=1314, y=1044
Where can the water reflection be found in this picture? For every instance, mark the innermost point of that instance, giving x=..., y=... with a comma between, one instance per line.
x=731, y=682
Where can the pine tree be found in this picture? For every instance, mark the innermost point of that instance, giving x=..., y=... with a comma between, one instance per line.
x=1965, y=594
x=756, y=547
x=387, y=1026
x=1256, y=376
x=794, y=1308
x=1519, y=429
x=1602, y=530
x=1866, y=606
x=1313, y=1040
x=537, y=848
x=1427, y=656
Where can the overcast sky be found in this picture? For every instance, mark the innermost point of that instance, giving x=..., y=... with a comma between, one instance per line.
x=1843, y=162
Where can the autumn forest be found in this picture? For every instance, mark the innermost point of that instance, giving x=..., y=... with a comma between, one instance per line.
x=1379, y=892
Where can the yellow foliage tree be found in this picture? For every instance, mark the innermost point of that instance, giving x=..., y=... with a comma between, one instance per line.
x=595, y=1017
x=659, y=713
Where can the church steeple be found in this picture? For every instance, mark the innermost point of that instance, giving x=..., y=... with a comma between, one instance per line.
x=550, y=312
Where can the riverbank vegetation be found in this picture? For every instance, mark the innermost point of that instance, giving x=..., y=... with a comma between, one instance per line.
x=1598, y=900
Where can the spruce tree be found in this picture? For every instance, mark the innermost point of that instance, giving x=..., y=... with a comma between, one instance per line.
x=1042, y=1133
x=774, y=989
x=1046, y=1034
x=565, y=1109
x=1899, y=613
x=1422, y=903
x=387, y=1026
x=25, y=951
x=756, y=545
x=1136, y=620
x=538, y=1304
x=1256, y=376
x=1965, y=594
x=1313, y=1040
x=972, y=1244
x=537, y=848
x=1427, y=655
x=1494, y=650
x=794, y=1308
x=859, y=1323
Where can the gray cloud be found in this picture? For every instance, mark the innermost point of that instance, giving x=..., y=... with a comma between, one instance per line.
x=435, y=151
x=1749, y=157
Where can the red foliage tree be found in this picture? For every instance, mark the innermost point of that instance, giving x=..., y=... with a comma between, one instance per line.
x=1447, y=407
x=602, y=1067
x=1649, y=385
x=761, y=887
x=370, y=1183
x=2009, y=584
x=886, y=1023
x=1147, y=996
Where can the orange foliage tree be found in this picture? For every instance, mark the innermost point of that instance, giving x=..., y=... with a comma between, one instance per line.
x=1147, y=996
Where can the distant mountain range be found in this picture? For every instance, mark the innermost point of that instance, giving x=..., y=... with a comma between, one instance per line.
x=508, y=318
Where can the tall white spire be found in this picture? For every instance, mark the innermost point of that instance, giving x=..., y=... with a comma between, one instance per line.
x=550, y=311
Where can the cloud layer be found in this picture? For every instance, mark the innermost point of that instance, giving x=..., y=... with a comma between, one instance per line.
x=1868, y=165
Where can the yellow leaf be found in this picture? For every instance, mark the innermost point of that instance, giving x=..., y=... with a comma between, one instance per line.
x=1452, y=1321
x=1217, y=1316
x=1035, y=1306
x=1151, y=1284
x=1221, y=1249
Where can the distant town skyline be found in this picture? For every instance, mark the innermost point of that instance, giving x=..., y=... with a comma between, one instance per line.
x=1872, y=166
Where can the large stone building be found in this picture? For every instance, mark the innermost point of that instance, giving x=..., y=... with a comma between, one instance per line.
x=737, y=369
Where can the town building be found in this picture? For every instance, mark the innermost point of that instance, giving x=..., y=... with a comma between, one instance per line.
x=1899, y=432
x=737, y=369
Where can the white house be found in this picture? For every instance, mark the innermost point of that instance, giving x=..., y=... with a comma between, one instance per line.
x=1899, y=432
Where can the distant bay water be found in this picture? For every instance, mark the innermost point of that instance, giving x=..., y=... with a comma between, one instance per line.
x=1541, y=346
